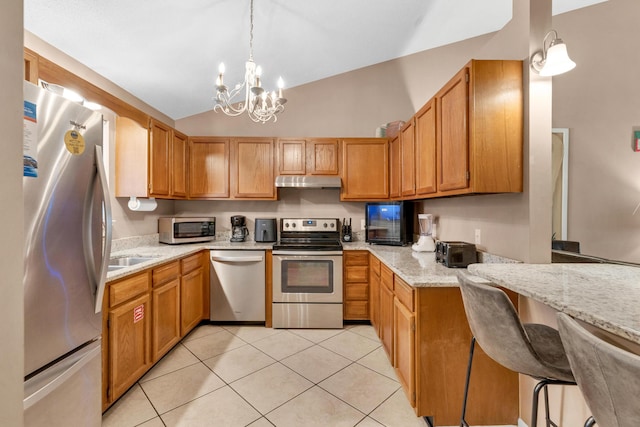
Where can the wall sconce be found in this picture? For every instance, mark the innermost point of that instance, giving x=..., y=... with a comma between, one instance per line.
x=552, y=59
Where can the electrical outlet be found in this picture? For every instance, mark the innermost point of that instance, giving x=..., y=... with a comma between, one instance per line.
x=478, y=236
x=362, y=224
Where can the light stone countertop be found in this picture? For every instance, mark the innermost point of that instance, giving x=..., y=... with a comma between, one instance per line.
x=604, y=295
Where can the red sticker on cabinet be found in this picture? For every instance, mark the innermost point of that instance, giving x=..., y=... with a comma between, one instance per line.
x=138, y=313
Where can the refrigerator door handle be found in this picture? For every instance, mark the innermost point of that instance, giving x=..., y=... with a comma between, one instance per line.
x=60, y=379
x=108, y=231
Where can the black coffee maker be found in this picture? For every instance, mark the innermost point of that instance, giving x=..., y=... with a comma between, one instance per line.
x=239, y=230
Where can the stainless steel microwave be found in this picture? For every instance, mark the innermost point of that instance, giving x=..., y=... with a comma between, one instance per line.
x=176, y=230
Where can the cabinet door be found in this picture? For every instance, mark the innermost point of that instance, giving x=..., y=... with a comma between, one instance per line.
x=252, y=168
x=425, y=146
x=322, y=157
x=365, y=169
x=159, y=156
x=374, y=293
x=208, y=168
x=453, y=140
x=407, y=158
x=179, y=166
x=404, y=342
x=132, y=148
x=291, y=156
x=166, y=318
x=386, y=320
x=191, y=300
x=395, y=168
x=129, y=344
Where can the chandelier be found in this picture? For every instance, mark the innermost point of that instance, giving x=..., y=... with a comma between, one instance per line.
x=249, y=96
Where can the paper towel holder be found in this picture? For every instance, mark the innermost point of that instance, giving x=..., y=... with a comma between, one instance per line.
x=145, y=205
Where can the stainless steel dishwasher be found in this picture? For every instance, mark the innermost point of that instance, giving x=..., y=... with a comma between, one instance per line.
x=237, y=286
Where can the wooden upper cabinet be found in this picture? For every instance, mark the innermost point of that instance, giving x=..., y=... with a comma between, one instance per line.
x=407, y=159
x=131, y=158
x=322, y=157
x=30, y=66
x=425, y=149
x=291, y=157
x=453, y=142
x=480, y=115
x=253, y=168
x=308, y=156
x=160, y=139
x=395, y=168
x=208, y=167
x=365, y=169
x=179, y=166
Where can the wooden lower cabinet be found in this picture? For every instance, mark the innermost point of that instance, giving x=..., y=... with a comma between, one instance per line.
x=425, y=332
x=129, y=336
x=374, y=292
x=145, y=316
x=356, y=285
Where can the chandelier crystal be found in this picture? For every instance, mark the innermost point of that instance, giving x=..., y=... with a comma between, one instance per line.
x=249, y=96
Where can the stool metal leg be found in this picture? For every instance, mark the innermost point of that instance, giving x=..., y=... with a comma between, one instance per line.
x=463, y=422
x=590, y=422
x=534, y=404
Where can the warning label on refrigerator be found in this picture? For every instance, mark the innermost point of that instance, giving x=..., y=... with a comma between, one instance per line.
x=30, y=139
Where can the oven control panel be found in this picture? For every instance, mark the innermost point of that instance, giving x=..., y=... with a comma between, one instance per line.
x=309, y=224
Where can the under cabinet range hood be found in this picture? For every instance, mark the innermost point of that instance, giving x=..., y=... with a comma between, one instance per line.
x=302, y=181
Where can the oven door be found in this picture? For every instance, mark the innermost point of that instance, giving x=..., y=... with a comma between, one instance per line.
x=307, y=276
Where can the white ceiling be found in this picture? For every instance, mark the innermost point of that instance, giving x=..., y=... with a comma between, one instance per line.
x=166, y=52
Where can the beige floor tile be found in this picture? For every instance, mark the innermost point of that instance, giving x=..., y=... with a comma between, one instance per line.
x=262, y=422
x=316, y=363
x=270, y=387
x=179, y=387
x=282, y=345
x=369, y=422
x=252, y=333
x=202, y=331
x=316, y=335
x=350, y=345
x=366, y=331
x=220, y=408
x=155, y=422
x=360, y=387
x=212, y=345
x=177, y=358
x=379, y=362
x=396, y=412
x=238, y=363
x=132, y=409
x=315, y=408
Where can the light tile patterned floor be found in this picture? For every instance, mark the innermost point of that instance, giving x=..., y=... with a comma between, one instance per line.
x=260, y=377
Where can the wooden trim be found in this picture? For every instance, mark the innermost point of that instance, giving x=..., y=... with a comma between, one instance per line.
x=31, y=60
x=268, y=291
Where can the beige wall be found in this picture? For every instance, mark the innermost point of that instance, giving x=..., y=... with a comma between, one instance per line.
x=599, y=103
x=11, y=213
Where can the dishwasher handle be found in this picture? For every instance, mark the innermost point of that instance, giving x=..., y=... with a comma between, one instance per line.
x=237, y=259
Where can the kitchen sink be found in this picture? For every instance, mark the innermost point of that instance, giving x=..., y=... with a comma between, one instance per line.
x=117, y=263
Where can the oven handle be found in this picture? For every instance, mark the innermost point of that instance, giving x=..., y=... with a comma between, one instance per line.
x=237, y=259
x=307, y=253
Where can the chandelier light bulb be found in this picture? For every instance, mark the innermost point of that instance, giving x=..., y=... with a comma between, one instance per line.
x=221, y=68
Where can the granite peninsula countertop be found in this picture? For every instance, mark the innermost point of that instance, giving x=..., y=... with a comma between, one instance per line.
x=604, y=295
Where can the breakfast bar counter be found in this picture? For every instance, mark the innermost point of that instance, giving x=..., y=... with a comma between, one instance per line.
x=604, y=295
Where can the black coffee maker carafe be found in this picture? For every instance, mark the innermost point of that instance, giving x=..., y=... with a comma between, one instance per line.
x=239, y=230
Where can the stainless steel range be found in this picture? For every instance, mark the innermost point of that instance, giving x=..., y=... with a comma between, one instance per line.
x=307, y=274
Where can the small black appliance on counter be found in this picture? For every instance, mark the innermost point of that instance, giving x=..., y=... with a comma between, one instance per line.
x=456, y=254
x=266, y=230
x=346, y=232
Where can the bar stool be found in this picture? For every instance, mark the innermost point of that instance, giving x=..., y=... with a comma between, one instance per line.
x=531, y=349
x=608, y=376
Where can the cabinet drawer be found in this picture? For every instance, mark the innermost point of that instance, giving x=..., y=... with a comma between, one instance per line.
x=356, y=291
x=128, y=288
x=356, y=310
x=191, y=263
x=356, y=258
x=165, y=273
x=386, y=277
x=404, y=293
x=374, y=265
x=357, y=274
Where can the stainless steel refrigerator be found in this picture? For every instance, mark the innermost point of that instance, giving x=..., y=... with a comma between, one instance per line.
x=66, y=253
